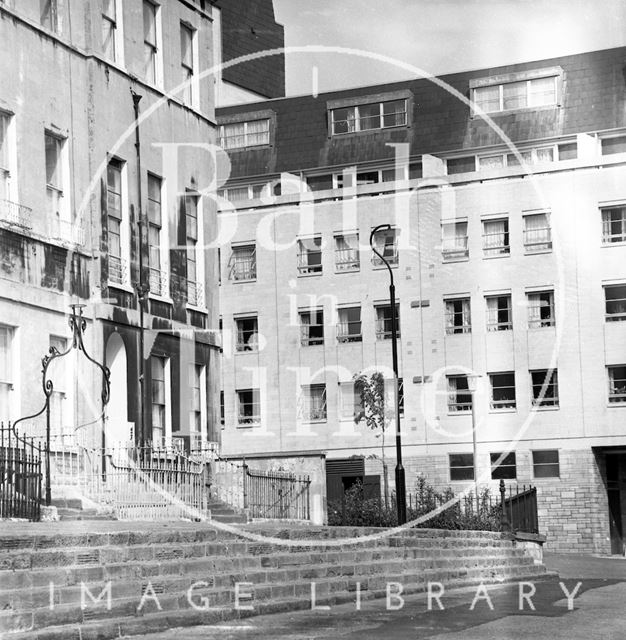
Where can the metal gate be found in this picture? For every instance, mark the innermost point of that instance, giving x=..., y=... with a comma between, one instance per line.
x=20, y=476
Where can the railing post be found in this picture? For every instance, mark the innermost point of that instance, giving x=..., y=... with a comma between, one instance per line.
x=245, y=484
x=504, y=525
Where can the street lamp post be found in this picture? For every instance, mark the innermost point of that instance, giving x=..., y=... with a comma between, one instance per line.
x=400, y=479
x=472, y=382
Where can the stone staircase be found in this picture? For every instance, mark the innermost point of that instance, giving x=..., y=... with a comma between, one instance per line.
x=115, y=579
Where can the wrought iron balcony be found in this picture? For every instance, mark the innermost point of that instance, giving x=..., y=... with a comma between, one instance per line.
x=195, y=293
x=159, y=282
x=118, y=270
x=66, y=231
x=16, y=214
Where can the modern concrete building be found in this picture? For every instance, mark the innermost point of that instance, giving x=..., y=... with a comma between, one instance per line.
x=85, y=202
x=507, y=245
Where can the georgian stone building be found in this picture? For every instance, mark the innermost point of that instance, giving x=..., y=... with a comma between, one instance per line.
x=84, y=203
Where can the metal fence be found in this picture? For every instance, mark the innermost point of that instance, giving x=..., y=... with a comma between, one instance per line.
x=20, y=476
x=276, y=495
x=519, y=509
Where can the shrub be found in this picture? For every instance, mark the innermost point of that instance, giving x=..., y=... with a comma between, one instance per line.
x=355, y=510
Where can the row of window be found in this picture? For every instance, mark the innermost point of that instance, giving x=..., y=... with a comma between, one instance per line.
x=349, y=326
x=312, y=406
x=540, y=306
x=496, y=239
x=545, y=465
x=242, y=263
x=118, y=233
x=112, y=42
x=544, y=387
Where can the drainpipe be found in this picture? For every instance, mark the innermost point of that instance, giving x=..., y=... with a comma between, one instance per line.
x=140, y=286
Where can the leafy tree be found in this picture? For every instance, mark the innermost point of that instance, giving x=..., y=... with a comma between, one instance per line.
x=372, y=391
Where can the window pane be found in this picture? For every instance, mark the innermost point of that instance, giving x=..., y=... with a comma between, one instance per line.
x=149, y=23
x=488, y=98
x=369, y=116
x=514, y=95
x=394, y=113
x=53, y=169
x=461, y=165
x=542, y=92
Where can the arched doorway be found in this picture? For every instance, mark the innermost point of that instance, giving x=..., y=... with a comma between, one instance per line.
x=118, y=429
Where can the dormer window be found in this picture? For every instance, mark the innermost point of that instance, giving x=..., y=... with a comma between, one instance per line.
x=239, y=135
x=510, y=92
x=365, y=117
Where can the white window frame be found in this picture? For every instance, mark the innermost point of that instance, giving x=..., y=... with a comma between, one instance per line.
x=608, y=236
x=248, y=273
x=124, y=258
x=253, y=419
x=195, y=288
x=617, y=392
x=527, y=94
x=305, y=335
x=459, y=249
x=493, y=249
x=535, y=242
x=308, y=412
x=246, y=135
x=347, y=258
x=167, y=406
x=493, y=313
x=384, y=324
x=546, y=465
x=189, y=69
x=386, y=236
x=451, y=315
x=250, y=343
x=533, y=302
x=57, y=191
x=454, y=393
x=305, y=266
x=156, y=75
x=452, y=468
x=351, y=405
x=8, y=162
x=550, y=381
x=505, y=404
x=357, y=118
x=344, y=326
x=116, y=28
x=159, y=275
x=8, y=381
x=620, y=314
x=509, y=462
x=197, y=373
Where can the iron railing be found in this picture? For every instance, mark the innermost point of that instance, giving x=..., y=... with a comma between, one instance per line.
x=276, y=495
x=21, y=476
x=519, y=509
x=118, y=269
x=195, y=293
x=159, y=282
x=16, y=214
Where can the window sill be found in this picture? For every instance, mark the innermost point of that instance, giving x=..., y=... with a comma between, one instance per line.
x=242, y=280
x=309, y=346
x=245, y=352
x=607, y=245
x=548, y=327
x=192, y=307
x=616, y=405
x=320, y=421
x=377, y=267
x=497, y=256
x=450, y=259
x=465, y=412
x=251, y=425
x=355, y=270
x=158, y=298
x=122, y=287
x=546, y=408
x=312, y=274
x=530, y=252
x=508, y=410
x=458, y=333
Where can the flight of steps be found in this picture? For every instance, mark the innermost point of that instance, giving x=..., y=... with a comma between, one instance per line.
x=77, y=509
x=150, y=568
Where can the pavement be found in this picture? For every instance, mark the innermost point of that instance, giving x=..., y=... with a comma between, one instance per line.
x=595, y=611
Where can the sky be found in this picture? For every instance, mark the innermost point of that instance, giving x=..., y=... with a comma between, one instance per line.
x=436, y=36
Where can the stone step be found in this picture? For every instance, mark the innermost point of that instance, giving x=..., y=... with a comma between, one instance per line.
x=23, y=590
x=231, y=553
x=330, y=588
